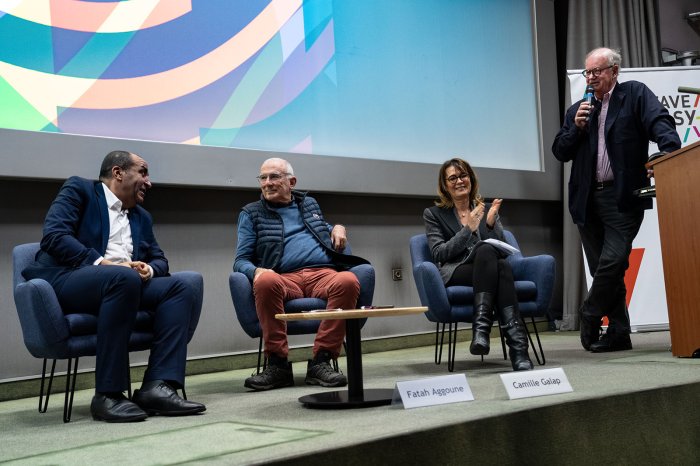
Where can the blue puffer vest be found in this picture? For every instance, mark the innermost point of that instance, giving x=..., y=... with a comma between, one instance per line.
x=270, y=231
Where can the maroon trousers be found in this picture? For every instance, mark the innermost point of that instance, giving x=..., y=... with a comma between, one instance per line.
x=340, y=289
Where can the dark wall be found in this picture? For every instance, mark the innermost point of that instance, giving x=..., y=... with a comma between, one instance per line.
x=674, y=30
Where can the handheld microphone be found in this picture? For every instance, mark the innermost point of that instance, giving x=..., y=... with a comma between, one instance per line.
x=588, y=97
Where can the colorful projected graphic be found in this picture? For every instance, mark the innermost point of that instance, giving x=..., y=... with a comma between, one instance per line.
x=362, y=78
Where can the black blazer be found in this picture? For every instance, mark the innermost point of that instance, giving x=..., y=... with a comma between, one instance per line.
x=450, y=243
x=635, y=117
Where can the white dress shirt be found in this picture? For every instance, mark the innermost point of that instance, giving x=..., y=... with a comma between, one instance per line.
x=120, y=246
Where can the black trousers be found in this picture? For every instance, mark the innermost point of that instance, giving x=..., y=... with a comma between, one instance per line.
x=490, y=273
x=607, y=241
x=115, y=294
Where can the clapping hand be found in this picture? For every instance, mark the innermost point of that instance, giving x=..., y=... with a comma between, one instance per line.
x=493, y=212
x=474, y=218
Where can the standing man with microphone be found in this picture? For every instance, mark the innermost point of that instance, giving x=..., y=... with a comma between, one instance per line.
x=607, y=139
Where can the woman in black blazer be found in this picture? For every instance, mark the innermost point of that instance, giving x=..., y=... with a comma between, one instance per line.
x=454, y=227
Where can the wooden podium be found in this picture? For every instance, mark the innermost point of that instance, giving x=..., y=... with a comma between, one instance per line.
x=677, y=178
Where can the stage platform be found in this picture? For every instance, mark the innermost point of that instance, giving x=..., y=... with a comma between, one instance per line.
x=638, y=406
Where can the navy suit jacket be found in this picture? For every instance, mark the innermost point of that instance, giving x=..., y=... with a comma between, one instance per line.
x=76, y=232
x=635, y=117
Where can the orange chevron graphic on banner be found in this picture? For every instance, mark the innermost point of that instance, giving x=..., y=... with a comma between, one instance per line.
x=631, y=275
x=632, y=272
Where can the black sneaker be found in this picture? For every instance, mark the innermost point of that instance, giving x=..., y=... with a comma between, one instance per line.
x=320, y=372
x=274, y=376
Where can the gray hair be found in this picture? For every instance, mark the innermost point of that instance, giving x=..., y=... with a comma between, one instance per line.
x=289, y=170
x=613, y=56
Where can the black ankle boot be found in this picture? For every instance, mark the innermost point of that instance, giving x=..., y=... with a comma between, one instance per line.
x=516, y=339
x=481, y=325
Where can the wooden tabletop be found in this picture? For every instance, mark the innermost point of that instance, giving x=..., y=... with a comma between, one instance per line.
x=351, y=313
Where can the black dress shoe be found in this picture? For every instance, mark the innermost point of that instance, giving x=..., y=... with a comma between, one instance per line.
x=612, y=342
x=160, y=398
x=590, y=330
x=115, y=409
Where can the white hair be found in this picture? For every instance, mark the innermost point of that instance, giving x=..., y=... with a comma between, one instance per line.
x=289, y=170
x=613, y=56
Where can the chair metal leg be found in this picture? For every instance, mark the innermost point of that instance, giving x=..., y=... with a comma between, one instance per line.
x=502, y=337
x=439, y=339
x=184, y=393
x=532, y=344
x=70, y=389
x=259, y=356
x=42, y=409
x=451, y=346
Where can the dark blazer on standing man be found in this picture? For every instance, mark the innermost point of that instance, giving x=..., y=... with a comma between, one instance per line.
x=635, y=117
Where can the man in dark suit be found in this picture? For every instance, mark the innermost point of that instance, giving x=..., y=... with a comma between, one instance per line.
x=608, y=144
x=99, y=254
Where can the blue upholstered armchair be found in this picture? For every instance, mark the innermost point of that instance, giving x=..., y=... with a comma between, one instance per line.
x=51, y=334
x=244, y=304
x=534, y=284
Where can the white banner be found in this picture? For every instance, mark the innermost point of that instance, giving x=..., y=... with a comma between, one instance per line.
x=647, y=304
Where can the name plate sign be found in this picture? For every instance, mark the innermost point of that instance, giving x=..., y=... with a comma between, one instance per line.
x=525, y=384
x=432, y=391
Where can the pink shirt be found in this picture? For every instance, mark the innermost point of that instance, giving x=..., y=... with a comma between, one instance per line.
x=603, y=170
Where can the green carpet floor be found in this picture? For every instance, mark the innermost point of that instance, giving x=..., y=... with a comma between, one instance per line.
x=629, y=407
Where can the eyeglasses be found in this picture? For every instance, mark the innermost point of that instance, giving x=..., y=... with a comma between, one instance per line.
x=453, y=179
x=272, y=177
x=595, y=71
